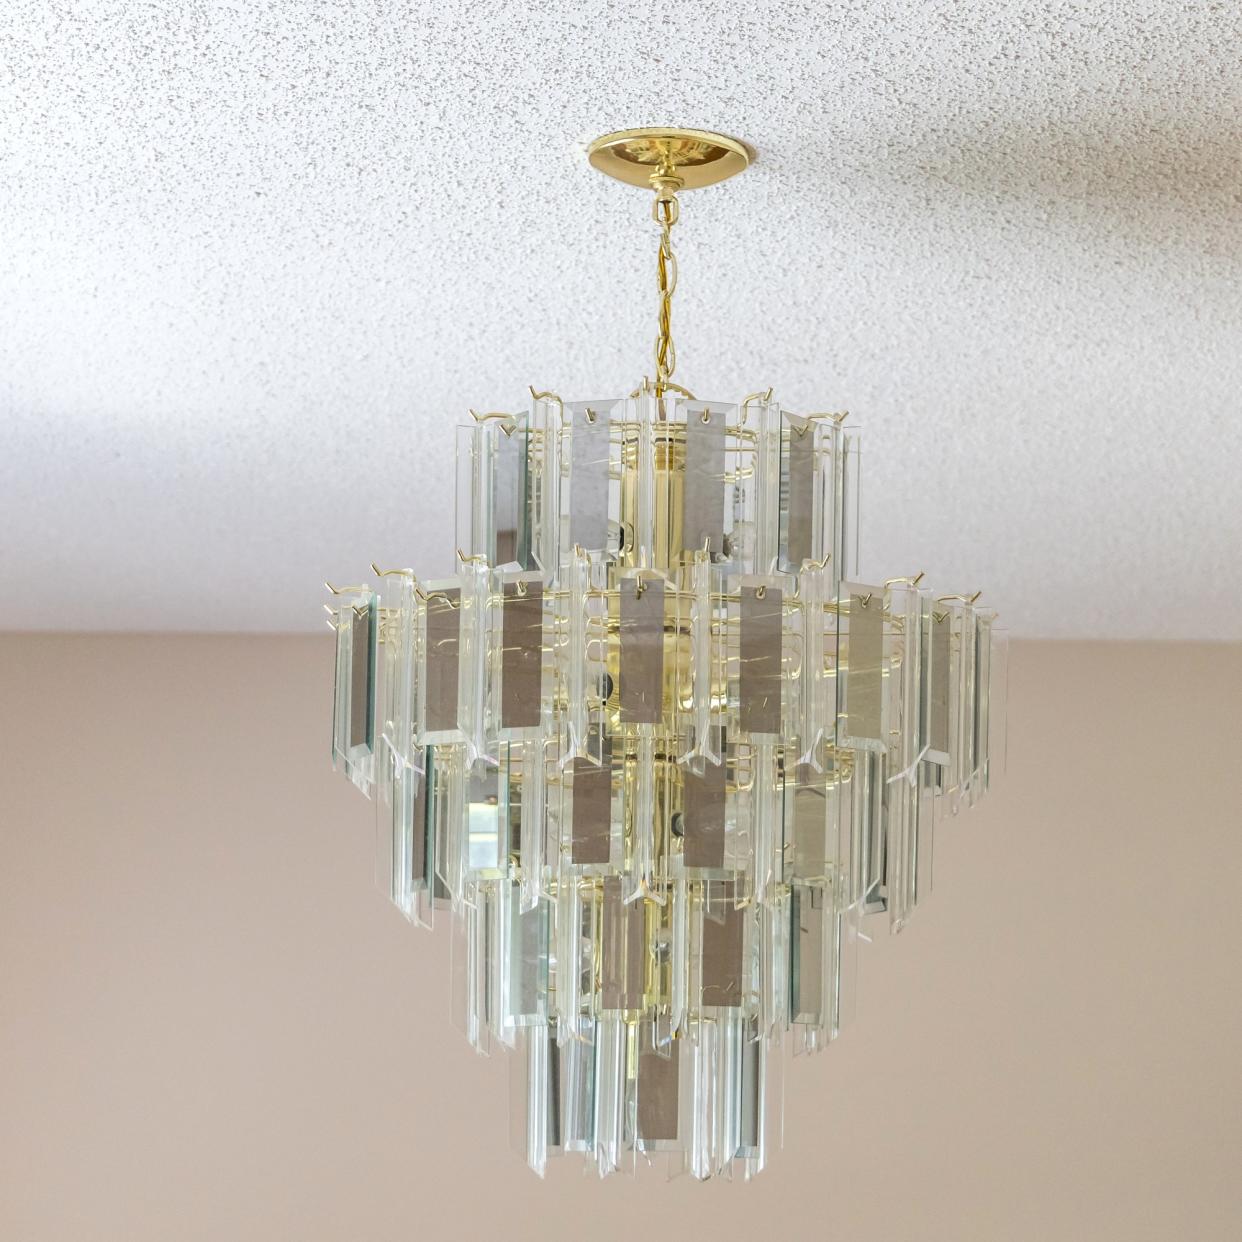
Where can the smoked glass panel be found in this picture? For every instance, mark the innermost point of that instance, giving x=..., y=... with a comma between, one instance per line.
x=591, y=809
x=760, y=673
x=521, y=653
x=642, y=650
x=443, y=615
x=703, y=813
x=723, y=929
x=703, y=481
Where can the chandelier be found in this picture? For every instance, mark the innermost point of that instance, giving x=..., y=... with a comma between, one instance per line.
x=656, y=749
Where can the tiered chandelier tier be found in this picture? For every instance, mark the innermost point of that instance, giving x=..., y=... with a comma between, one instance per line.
x=657, y=749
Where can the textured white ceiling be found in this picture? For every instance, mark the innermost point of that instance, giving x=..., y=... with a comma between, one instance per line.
x=257, y=259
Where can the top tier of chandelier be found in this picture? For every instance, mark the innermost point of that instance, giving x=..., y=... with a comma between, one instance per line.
x=656, y=749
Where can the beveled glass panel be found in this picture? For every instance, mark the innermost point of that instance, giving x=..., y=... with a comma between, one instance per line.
x=356, y=622
x=362, y=674
x=641, y=672
x=623, y=949
x=703, y=812
x=510, y=542
x=589, y=455
x=485, y=849
x=525, y=996
x=703, y=482
x=939, y=684
x=578, y=1090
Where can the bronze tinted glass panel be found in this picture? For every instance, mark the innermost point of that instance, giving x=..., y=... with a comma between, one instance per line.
x=723, y=925
x=864, y=684
x=415, y=788
x=810, y=815
x=361, y=678
x=556, y=1127
x=806, y=952
x=749, y=1113
x=760, y=689
x=641, y=674
x=703, y=486
x=588, y=497
x=799, y=525
x=657, y=1091
x=521, y=654
x=591, y=828
x=703, y=815
x=443, y=649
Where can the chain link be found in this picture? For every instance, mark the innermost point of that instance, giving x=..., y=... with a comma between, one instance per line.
x=665, y=212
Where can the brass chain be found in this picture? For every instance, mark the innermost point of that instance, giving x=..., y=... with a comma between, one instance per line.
x=665, y=212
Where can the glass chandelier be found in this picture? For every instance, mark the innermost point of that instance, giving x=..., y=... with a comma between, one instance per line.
x=656, y=750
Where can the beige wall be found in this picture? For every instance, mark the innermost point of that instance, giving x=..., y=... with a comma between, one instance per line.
x=213, y=1026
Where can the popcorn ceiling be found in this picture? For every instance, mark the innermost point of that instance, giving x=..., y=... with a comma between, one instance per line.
x=259, y=258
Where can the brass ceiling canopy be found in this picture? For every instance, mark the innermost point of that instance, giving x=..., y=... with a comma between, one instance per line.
x=694, y=157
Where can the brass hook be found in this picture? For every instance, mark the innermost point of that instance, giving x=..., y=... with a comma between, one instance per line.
x=547, y=396
x=765, y=397
x=507, y=426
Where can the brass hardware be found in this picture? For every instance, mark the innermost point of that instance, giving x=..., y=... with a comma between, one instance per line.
x=507, y=425
x=344, y=590
x=666, y=212
x=765, y=397
x=695, y=157
x=667, y=161
x=545, y=396
x=428, y=596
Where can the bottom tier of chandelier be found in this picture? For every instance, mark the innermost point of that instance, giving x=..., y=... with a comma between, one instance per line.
x=655, y=783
